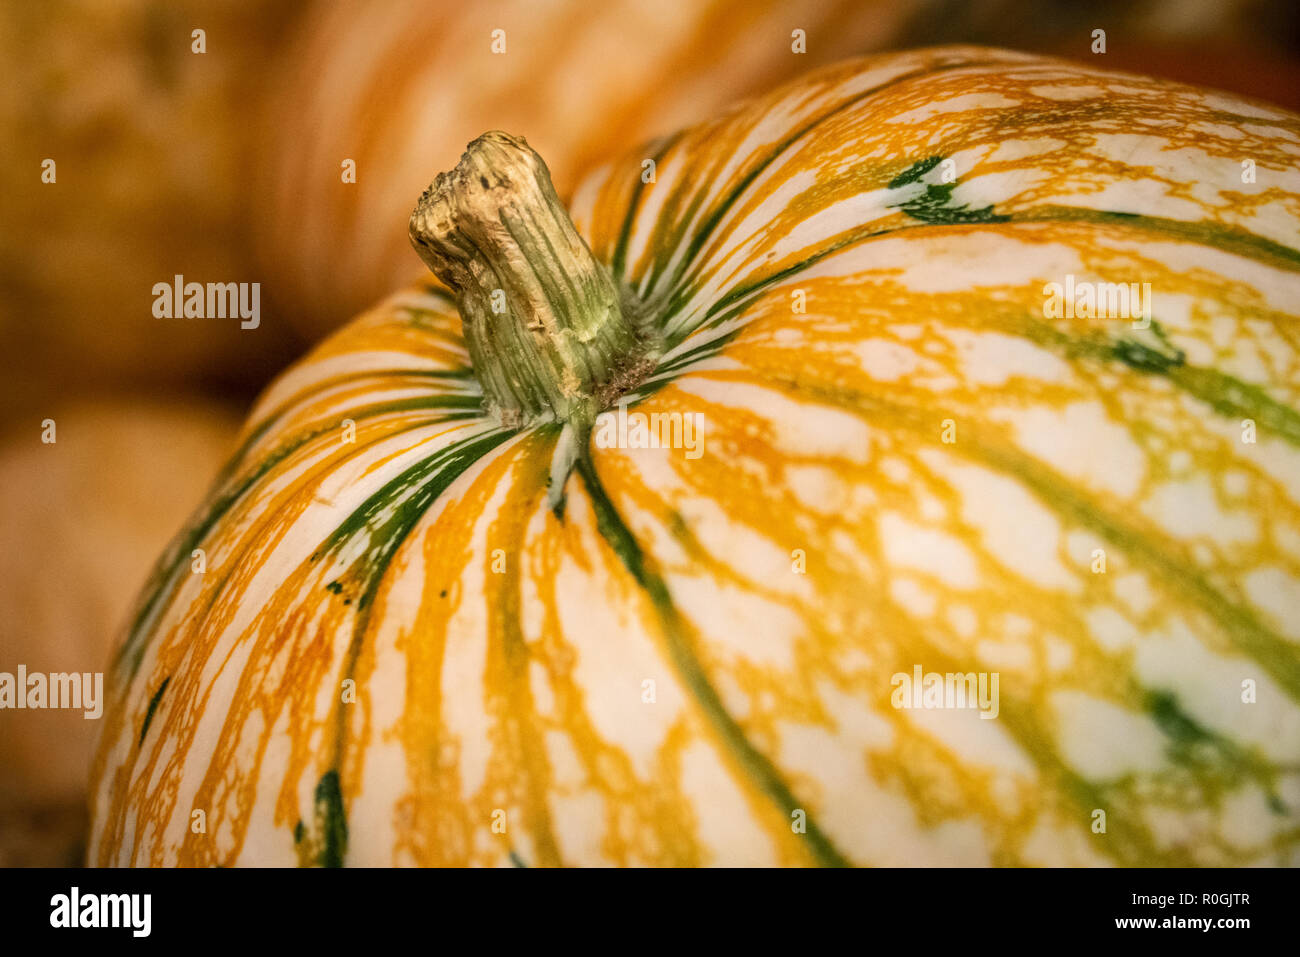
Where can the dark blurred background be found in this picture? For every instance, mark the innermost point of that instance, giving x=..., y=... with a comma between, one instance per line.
x=225, y=165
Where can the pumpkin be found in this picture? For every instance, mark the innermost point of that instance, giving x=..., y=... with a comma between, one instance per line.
x=456, y=612
x=401, y=97
x=81, y=521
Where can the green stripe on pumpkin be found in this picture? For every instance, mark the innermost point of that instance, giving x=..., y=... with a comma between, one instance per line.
x=408, y=497
x=153, y=706
x=331, y=821
x=755, y=764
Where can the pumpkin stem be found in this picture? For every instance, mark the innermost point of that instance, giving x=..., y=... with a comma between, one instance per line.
x=549, y=334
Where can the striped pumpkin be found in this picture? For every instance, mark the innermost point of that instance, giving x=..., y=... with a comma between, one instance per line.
x=444, y=621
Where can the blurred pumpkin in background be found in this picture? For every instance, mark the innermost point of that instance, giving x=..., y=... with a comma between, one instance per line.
x=81, y=522
x=150, y=149
x=400, y=87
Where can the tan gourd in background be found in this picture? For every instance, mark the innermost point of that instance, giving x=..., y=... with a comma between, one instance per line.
x=81, y=522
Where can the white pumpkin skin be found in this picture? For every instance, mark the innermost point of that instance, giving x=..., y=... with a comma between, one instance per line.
x=402, y=655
